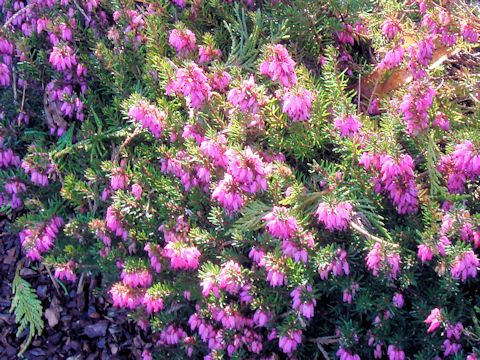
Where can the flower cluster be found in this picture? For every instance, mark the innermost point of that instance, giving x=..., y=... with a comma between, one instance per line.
x=40, y=239
x=415, y=106
x=239, y=209
x=149, y=116
x=334, y=216
x=279, y=66
x=183, y=41
x=395, y=177
x=192, y=83
x=379, y=258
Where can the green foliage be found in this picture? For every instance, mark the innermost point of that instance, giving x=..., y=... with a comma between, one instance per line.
x=27, y=309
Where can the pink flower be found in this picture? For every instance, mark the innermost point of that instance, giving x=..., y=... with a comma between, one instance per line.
x=208, y=53
x=62, y=58
x=137, y=191
x=344, y=354
x=230, y=277
x=228, y=194
x=192, y=83
x=455, y=331
x=348, y=125
x=290, y=340
x=398, y=300
x=390, y=28
x=275, y=274
x=374, y=259
x=260, y=318
x=451, y=347
x=4, y=75
x=466, y=159
x=334, y=217
x=394, y=177
x=434, y=320
x=154, y=253
x=303, y=301
x=339, y=265
x=297, y=103
x=415, y=105
x=181, y=255
x=247, y=97
x=465, y=265
x=114, y=222
x=8, y=158
x=279, y=66
x=280, y=224
x=247, y=169
x=183, y=41
x=424, y=253
x=378, y=257
x=126, y=297
x=215, y=150
x=41, y=239
x=395, y=353
x=392, y=58
x=220, y=80
x=469, y=34
x=295, y=251
x=136, y=278
x=146, y=355
x=119, y=180
x=441, y=121
x=172, y=335
x=39, y=172
x=257, y=256
x=346, y=35
x=153, y=301
x=180, y=3
x=149, y=116
x=65, y=271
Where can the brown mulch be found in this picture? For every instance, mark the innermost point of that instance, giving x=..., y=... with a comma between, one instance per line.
x=78, y=325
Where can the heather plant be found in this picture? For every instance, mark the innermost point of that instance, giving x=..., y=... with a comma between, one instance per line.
x=251, y=179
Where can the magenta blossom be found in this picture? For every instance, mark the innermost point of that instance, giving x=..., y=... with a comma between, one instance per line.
x=348, y=125
x=334, y=217
x=279, y=66
x=465, y=265
x=290, y=340
x=183, y=41
x=192, y=83
x=280, y=224
x=434, y=320
x=297, y=104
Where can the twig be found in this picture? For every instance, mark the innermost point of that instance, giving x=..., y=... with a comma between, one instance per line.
x=14, y=85
x=359, y=93
x=80, y=9
x=325, y=340
x=23, y=97
x=322, y=350
x=54, y=281
x=124, y=144
x=17, y=14
x=356, y=226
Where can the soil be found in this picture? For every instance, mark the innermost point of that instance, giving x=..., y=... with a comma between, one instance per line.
x=80, y=323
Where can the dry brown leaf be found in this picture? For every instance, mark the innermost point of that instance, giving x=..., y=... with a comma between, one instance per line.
x=374, y=86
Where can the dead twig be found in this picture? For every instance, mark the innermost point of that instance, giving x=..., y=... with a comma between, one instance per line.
x=357, y=226
x=54, y=281
x=17, y=14
x=124, y=144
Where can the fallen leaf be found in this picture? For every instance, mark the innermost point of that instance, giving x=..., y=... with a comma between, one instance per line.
x=96, y=330
x=52, y=316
